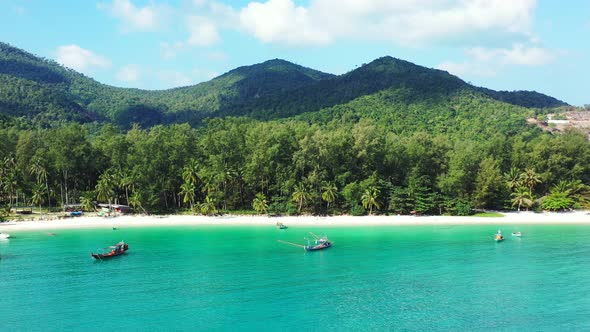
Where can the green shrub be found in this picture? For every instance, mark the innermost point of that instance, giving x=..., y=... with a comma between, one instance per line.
x=358, y=210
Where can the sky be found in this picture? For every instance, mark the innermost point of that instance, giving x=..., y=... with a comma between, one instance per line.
x=541, y=45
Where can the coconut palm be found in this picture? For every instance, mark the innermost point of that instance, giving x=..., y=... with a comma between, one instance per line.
x=512, y=178
x=329, y=191
x=189, y=172
x=208, y=206
x=187, y=191
x=10, y=179
x=135, y=201
x=260, y=204
x=530, y=178
x=11, y=183
x=369, y=199
x=104, y=190
x=300, y=195
x=38, y=195
x=86, y=203
x=126, y=182
x=39, y=170
x=522, y=197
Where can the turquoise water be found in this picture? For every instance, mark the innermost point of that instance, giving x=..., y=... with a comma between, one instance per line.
x=228, y=278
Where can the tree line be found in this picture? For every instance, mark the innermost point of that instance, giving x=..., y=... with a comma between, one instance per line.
x=291, y=167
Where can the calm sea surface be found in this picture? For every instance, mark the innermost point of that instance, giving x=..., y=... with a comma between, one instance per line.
x=228, y=278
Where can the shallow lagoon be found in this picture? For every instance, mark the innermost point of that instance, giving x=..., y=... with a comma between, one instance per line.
x=241, y=278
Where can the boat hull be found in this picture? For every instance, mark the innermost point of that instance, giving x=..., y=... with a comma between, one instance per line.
x=105, y=256
x=110, y=254
x=323, y=245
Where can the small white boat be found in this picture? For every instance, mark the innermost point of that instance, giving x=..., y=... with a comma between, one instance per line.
x=519, y=234
x=4, y=235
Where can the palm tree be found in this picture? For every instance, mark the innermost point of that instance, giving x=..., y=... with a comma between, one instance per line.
x=104, y=190
x=38, y=195
x=86, y=203
x=11, y=184
x=529, y=178
x=369, y=199
x=10, y=176
x=300, y=195
x=512, y=178
x=189, y=172
x=135, y=201
x=580, y=192
x=208, y=206
x=259, y=203
x=187, y=190
x=329, y=191
x=126, y=182
x=522, y=197
x=40, y=172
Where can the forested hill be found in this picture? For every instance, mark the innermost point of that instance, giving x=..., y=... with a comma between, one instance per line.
x=42, y=92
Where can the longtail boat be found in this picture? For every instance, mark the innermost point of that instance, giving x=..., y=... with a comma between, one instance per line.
x=321, y=242
x=112, y=251
x=319, y=246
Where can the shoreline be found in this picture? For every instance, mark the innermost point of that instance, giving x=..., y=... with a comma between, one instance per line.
x=509, y=218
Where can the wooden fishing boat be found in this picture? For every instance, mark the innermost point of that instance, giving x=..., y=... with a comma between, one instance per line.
x=112, y=251
x=319, y=246
x=321, y=242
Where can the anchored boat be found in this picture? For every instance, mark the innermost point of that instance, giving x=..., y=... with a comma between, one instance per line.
x=321, y=242
x=318, y=246
x=499, y=237
x=112, y=251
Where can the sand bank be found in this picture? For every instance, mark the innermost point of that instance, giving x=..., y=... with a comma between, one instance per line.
x=513, y=218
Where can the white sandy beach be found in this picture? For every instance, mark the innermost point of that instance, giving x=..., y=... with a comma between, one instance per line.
x=513, y=218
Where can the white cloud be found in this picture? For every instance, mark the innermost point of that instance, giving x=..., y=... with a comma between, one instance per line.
x=130, y=74
x=203, y=32
x=203, y=29
x=135, y=18
x=82, y=60
x=489, y=61
x=405, y=21
x=281, y=21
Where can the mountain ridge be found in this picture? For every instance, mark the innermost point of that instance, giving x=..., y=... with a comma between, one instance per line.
x=272, y=89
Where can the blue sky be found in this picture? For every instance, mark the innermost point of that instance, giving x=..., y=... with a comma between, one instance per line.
x=540, y=45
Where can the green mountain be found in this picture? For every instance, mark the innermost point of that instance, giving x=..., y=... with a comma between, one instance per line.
x=43, y=92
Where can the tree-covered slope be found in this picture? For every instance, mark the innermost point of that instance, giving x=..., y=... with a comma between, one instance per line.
x=465, y=113
x=44, y=92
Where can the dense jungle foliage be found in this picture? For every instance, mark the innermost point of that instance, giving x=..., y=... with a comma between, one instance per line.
x=388, y=137
x=294, y=167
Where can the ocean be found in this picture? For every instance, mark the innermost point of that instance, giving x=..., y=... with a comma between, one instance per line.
x=220, y=278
